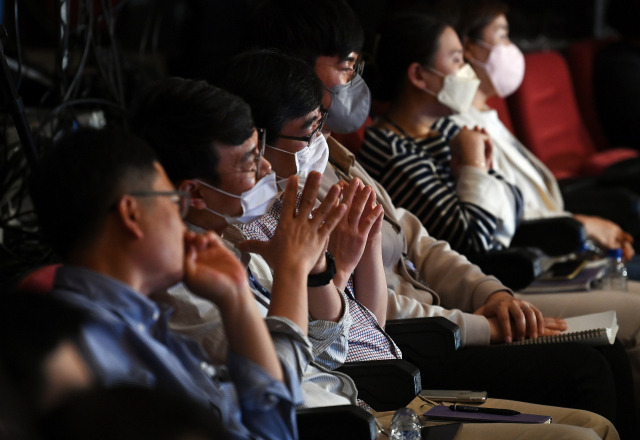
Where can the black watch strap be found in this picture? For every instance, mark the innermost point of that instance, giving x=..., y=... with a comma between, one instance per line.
x=323, y=278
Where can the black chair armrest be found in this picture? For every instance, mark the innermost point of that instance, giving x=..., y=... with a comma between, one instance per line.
x=579, y=184
x=554, y=236
x=620, y=205
x=424, y=338
x=385, y=385
x=343, y=422
x=425, y=342
x=515, y=267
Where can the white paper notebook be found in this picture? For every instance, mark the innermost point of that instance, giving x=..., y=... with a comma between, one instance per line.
x=594, y=329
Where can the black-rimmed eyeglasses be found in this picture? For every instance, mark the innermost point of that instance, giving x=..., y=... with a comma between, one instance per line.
x=180, y=198
x=358, y=68
x=309, y=138
x=262, y=142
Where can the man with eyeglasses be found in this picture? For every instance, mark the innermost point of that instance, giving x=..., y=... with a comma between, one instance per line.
x=326, y=35
x=107, y=207
x=199, y=158
x=295, y=145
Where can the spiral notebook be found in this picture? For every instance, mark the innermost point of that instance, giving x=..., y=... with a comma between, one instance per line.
x=594, y=329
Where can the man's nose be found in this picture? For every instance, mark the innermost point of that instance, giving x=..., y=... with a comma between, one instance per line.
x=265, y=167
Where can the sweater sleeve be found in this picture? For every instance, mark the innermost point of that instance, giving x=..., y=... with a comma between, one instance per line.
x=418, y=178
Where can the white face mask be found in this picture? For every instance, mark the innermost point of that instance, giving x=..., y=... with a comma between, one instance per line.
x=313, y=157
x=505, y=67
x=458, y=90
x=255, y=202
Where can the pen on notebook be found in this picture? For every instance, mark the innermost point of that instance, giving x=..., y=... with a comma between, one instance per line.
x=499, y=411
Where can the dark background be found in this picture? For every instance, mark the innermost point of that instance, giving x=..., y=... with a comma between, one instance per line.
x=184, y=34
x=87, y=67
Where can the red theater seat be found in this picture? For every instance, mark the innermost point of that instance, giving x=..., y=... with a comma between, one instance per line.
x=546, y=119
x=581, y=56
x=39, y=281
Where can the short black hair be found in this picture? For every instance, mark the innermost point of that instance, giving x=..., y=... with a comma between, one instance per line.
x=182, y=118
x=78, y=180
x=32, y=327
x=278, y=87
x=476, y=15
x=404, y=39
x=306, y=29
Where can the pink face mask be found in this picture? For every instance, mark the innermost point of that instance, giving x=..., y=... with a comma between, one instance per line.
x=505, y=67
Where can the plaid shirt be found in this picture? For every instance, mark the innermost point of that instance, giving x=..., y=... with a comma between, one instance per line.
x=367, y=340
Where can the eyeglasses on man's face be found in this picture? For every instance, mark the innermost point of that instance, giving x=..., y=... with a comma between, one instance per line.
x=180, y=198
x=357, y=68
x=250, y=159
x=253, y=158
x=262, y=141
x=307, y=139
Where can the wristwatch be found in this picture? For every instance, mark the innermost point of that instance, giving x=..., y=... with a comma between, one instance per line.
x=323, y=278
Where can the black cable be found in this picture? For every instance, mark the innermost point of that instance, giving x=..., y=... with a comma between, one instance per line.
x=14, y=167
x=155, y=36
x=5, y=133
x=85, y=53
x=64, y=10
x=151, y=32
x=21, y=246
x=18, y=44
x=109, y=20
x=13, y=104
x=145, y=33
x=74, y=102
x=100, y=63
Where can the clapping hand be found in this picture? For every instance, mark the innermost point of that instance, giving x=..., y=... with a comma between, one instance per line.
x=357, y=228
x=301, y=238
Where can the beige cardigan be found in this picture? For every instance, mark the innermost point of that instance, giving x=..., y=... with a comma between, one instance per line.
x=449, y=284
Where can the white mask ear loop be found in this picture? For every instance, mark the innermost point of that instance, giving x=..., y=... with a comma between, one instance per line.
x=255, y=202
x=282, y=181
x=229, y=219
x=313, y=157
x=441, y=75
x=487, y=46
x=281, y=150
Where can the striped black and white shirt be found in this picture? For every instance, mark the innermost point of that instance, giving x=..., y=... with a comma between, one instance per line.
x=477, y=212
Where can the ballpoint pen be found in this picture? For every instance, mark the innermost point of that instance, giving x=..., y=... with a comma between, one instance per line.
x=479, y=409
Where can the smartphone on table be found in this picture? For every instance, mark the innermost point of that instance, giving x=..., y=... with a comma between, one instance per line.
x=466, y=396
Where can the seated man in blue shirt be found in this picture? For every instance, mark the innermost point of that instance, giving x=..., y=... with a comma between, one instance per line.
x=108, y=209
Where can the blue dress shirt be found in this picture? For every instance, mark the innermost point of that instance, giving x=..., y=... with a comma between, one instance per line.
x=127, y=341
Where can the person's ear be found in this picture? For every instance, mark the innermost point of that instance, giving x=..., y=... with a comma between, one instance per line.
x=129, y=212
x=417, y=75
x=195, y=193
